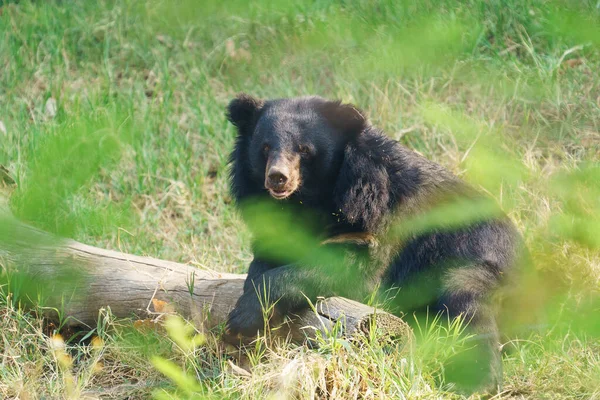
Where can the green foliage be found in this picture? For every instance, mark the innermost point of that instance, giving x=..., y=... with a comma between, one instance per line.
x=64, y=161
x=184, y=336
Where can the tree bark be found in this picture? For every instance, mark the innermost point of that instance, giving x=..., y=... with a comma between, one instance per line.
x=80, y=280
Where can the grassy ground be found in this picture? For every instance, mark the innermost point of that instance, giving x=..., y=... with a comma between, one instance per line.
x=113, y=128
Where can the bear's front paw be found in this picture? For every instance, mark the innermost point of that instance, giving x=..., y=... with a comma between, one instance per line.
x=246, y=319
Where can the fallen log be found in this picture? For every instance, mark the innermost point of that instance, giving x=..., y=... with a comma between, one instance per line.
x=80, y=280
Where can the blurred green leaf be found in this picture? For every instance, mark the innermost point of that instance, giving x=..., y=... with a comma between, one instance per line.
x=183, y=333
x=66, y=161
x=184, y=382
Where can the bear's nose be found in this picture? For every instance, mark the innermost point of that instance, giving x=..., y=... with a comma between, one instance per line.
x=277, y=179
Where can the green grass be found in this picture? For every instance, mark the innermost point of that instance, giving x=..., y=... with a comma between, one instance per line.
x=505, y=93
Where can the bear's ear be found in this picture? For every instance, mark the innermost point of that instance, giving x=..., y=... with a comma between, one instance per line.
x=242, y=112
x=345, y=117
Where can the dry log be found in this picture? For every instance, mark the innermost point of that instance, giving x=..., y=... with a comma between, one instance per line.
x=86, y=279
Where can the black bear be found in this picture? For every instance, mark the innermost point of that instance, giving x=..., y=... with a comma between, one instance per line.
x=352, y=212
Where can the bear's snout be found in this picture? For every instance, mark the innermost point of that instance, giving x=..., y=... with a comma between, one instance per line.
x=281, y=180
x=277, y=179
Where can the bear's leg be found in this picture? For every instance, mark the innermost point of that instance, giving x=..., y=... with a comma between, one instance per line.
x=257, y=268
x=288, y=288
x=338, y=269
x=479, y=367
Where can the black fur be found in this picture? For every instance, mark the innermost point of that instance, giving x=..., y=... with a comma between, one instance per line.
x=356, y=180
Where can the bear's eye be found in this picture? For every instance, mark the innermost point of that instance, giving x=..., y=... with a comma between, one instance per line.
x=266, y=148
x=303, y=149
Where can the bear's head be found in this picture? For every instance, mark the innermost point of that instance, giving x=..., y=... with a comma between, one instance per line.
x=294, y=146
